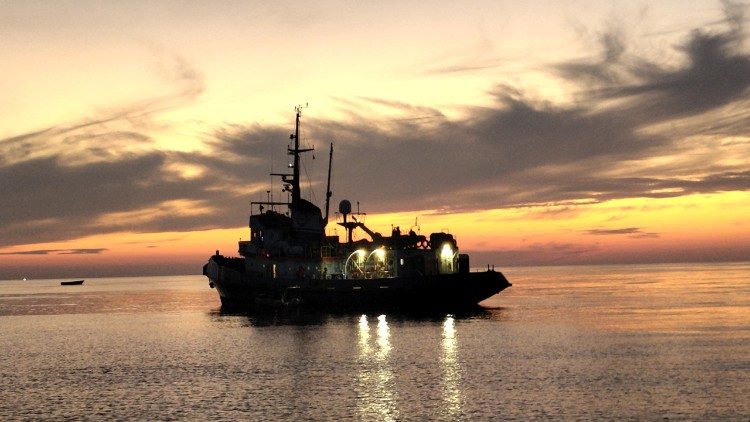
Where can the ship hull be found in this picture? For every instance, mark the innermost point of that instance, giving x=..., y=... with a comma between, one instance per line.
x=239, y=291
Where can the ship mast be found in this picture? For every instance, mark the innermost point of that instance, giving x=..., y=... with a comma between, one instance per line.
x=291, y=181
x=328, y=186
x=296, y=194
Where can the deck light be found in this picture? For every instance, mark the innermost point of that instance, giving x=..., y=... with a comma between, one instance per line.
x=446, y=252
x=360, y=257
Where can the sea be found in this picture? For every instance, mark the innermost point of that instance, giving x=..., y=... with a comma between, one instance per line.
x=635, y=342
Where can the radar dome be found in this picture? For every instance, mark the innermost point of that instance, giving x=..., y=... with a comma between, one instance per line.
x=345, y=207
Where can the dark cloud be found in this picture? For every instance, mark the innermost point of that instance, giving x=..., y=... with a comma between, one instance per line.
x=594, y=188
x=716, y=72
x=714, y=78
x=45, y=200
x=610, y=67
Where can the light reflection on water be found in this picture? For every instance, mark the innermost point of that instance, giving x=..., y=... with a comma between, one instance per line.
x=451, y=370
x=364, y=337
x=376, y=396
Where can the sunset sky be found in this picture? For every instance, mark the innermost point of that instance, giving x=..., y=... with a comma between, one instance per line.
x=133, y=135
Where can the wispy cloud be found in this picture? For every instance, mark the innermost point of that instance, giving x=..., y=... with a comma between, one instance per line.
x=467, y=66
x=549, y=252
x=629, y=230
x=87, y=251
x=90, y=251
x=110, y=133
x=633, y=232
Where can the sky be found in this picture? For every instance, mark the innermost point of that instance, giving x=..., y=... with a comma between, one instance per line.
x=133, y=135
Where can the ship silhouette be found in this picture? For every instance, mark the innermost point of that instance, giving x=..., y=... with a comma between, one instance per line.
x=290, y=261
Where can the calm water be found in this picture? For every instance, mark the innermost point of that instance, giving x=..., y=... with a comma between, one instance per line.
x=625, y=342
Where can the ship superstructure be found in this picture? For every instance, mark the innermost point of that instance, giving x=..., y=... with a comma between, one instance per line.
x=289, y=260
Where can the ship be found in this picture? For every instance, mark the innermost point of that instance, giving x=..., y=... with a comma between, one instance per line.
x=290, y=260
x=71, y=283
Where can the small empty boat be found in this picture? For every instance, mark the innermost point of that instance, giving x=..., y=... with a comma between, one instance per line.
x=71, y=283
